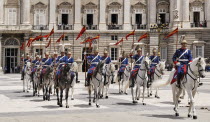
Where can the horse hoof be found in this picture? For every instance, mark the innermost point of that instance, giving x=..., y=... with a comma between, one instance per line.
x=177, y=114
x=179, y=101
x=137, y=99
x=89, y=103
x=101, y=96
x=106, y=97
x=188, y=103
x=144, y=103
x=195, y=117
x=27, y=91
x=72, y=98
x=61, y=105
x=58, y=103
x=150, y=94
x=98, y=106
x=126, y=93
x=67, y=106
x=134, y=102
x=157, y=97
x=189, y=116
x=23, y=90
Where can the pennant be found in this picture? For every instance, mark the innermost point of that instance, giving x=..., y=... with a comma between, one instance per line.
x=36, y=38
x=172, y=33
x=143, y=36
x=131, y=33
x=48, y=44
x=59, y=40
x=87, y=40
x=90, y=44
x=29, y=42
x=97, y=37
x=47, y=36
x=119, y=42
x=81, y=32
x=22, y=46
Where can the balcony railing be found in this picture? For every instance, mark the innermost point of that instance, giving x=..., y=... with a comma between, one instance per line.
x=15, y=27
x=65, y=27
x=115, y=27
x=40, y=27
x=198, y=24
x=160, y=28
x=139, y=26
x=91, y=27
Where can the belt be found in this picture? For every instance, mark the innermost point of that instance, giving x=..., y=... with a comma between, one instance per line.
x=138, y=64
x=69, y=63
x=154, y=63
x=183, y=60
x=94, y=63
x=45, y=65
x=124, y=64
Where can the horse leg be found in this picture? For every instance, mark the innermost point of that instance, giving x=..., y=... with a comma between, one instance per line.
x=137, y=89
x=107, y=90
x=27, y=85
x=34, y=89
x=43, y=89
x=61, y=97
x=144, y=87
x=183, y=94
x=89, y=91
x=23, y=85
x=72, y=93
x=156, y=94
x=177, y=101
x=97, y=90
x=133, y=95
x=49, y=92
x=67, y=95
x=57, y=92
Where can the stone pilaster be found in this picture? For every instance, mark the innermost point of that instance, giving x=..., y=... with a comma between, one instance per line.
x=177, y=13
x=127, y=17
x=186, y=14
x=152, y=11
x=2, y=11
x=0, y=54
x=52, y=18
x=26, y=11
x=208, y=14
x=102, y=20
x=77, y=22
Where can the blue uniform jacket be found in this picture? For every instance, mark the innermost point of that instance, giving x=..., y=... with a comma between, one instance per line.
x=47, y=61
x=154, y=60
x=124, y=63
x=108, y=59
x=138, y=59
x=94, y=60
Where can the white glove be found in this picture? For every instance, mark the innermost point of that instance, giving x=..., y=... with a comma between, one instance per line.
x=178, y=64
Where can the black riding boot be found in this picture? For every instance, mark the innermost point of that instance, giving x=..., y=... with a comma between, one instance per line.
x=112, y=82
x=88, y=80
x=22, y=75
x=77, y=77
x=178, y=80
x=132, y=83
x=32, y=77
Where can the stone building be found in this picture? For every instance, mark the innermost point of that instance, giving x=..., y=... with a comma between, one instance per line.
x=112, y=19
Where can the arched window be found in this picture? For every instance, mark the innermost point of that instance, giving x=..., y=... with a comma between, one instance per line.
x=11, y=12
x=11, y=42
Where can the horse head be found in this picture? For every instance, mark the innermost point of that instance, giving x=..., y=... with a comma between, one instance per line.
x=201, y=64
x=99, y=69
x=161, y=66
x=146, y=61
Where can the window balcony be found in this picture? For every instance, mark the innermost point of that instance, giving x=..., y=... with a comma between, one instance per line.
x=159, y=28
x=65, y=27
x=198, y=24
x=91, y=27
x=40, y=27
x=140, y=26
x=115, y=27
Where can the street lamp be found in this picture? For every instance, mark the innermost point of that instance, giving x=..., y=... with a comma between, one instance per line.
x=159, y=28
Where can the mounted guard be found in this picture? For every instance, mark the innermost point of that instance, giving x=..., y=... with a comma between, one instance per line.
x=27, y=59
x=35, y=64
x=123, y=63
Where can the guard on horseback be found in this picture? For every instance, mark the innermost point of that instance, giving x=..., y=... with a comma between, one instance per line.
x=93, y=60
x=107, y=60
x=138, y=58
x=46, y=63
x=123, y=63
x=155, y=59
x=181, y=59
x=61, y=61
x=55, y=58
x=35, y=64
x=27, y=59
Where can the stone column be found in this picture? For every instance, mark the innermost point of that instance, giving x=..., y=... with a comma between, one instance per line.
x=177, y=13
x=0, y=54
x=77, y=21
x=52, y=18
x=102, y=14
x=186, y=14
x=2, y=11
x=208, y=14
x=127, y=17
x=152, y=11
x=26, y=11
x=171, y=12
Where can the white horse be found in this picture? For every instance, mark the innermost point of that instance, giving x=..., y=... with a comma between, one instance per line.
x=36, y=79
x=27, y=78
x=159, y=71
x=141, y=79
x=196, y=69
x=109, y=70
x=124, y=80
x=73, y=69
x=96, y=83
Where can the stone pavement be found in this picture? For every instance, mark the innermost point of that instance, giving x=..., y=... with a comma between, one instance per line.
x=17, y=106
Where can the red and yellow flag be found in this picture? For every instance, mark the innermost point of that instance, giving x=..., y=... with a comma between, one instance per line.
x=119, y=42
x=131, y=33
x=59, y=40
x=172, y=33
x=143, y=36
x=22, y=46
x=47, y=36
x=48, y=44
x=97, y=37
x=86, y=40
x=81, y=32
x=29, y=42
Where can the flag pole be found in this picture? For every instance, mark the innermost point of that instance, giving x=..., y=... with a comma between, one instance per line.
x=85, y=61
x=73, y=44
x=40, y=43
x=177, y=36
x=132, y=51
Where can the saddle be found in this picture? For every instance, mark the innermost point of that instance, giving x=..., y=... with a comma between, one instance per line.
x=134, y=72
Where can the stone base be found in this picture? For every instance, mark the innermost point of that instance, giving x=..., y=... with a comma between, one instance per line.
x=208, y=24
x=51, y=25
x=77, y=26
x=127, y=26
x=102, y=26
x=186, y=25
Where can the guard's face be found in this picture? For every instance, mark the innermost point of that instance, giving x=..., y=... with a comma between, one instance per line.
x=46, y=56
x=55, y=55
x=154, y=53
x=105, y=54
x=184, y=45
x=37, y=58
x=139, y=52
x=62, y=53
x=96, y=53
x=69, y=55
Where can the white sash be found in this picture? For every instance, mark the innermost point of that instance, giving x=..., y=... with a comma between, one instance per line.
x=123, y=60
x=139, y=59
x=46, y=60
x=69, y=58
x=105, y=58
x=61, y=58
x=183, y=53
x=154, y=58
x=94, y=58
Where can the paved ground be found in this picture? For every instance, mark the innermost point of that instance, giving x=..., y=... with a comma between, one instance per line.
x=16, y=106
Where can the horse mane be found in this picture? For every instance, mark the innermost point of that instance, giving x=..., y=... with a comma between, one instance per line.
x=100, y=64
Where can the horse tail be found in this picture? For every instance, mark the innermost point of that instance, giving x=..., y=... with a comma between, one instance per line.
x=163, y=82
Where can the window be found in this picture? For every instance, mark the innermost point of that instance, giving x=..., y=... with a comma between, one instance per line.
x=40, y=17
x=66, y=38
x=114, y=54
x=89, y=19
x=12, y=16
x=114, y=37
x=199, y=51
x=39, y=51
x=114, y=19
x=138, y=19
x=65, y=18
x=164, y=53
